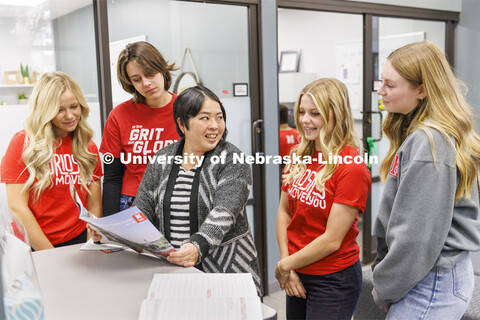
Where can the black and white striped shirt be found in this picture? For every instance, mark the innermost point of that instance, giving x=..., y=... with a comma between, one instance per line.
x=180, y=207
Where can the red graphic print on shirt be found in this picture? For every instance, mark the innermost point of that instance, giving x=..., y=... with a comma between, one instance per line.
x=134, y=131
x=310, y=208
x=290, y=139
x=305, y=190
x=65, y=169
x=55, y=211
x=394, y=171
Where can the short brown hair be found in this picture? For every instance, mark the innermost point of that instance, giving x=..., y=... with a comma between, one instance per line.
x=283, y=113
x=149, y=59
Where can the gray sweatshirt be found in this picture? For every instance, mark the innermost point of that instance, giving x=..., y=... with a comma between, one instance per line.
x=419, y=226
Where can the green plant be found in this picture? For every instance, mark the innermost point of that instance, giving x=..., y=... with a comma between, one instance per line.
x=24, y=71
x=22, y=96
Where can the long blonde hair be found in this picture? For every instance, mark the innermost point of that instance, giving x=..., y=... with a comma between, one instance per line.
x=41, y=142
x=329, y=95
x=444, y=108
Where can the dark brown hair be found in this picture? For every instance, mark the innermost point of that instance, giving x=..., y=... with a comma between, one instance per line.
x=149, y=59
x=188, y=105
x=283, y=113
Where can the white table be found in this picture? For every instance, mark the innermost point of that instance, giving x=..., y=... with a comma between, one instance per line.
x=94, y=285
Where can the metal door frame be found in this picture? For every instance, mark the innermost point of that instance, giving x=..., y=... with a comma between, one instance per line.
x=255, y=55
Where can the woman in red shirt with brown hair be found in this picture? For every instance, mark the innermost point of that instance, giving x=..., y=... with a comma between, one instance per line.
x=139, y=127
x=319, y=206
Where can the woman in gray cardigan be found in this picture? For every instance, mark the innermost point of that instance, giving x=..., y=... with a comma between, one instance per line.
x=195, y=193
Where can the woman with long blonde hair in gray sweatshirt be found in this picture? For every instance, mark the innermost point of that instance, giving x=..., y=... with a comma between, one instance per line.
x=428, y=219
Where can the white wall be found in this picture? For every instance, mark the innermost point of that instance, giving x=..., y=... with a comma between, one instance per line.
x=329, y=42
x=315, y=34
x=24, y=41
x=434, y=30
x=75, y=49
x=217, y=36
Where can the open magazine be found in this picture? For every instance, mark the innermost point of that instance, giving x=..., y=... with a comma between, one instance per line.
x=128, y=227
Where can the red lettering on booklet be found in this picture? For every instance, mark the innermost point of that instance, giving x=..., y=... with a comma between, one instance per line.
x=394, y=171
x=139, y=217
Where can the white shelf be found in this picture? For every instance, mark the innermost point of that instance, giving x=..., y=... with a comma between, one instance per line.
x=14, y=106
x=16, y=85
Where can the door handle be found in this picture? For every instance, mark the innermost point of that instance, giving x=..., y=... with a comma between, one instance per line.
x=381, y=122
x=257, y=136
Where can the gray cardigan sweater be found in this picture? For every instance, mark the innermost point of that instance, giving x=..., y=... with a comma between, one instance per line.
x=221, y=231
x=419, y=225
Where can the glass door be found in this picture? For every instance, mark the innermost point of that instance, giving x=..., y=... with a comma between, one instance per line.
x=334, y=51
x=222, y=42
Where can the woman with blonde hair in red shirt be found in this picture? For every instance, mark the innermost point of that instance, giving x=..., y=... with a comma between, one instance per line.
x=54, y=150
x=320, y=269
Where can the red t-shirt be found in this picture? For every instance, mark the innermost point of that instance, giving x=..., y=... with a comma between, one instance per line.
x=309, y=210
x=133, y=130
x=56, y=212
x=288, y=139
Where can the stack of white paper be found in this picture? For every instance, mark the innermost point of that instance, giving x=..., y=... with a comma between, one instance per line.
x=202, y=296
